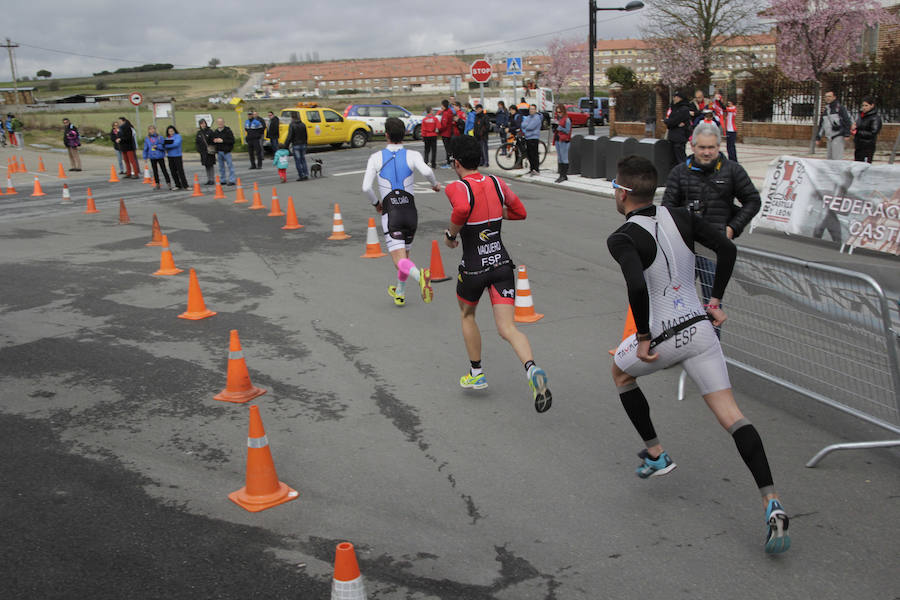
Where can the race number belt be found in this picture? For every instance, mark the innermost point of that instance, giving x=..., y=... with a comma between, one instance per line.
x=671, y=331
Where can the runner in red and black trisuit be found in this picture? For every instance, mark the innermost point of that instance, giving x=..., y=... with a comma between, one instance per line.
x=480, y=203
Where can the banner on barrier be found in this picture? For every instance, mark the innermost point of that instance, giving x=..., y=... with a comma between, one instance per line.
x=855, y=204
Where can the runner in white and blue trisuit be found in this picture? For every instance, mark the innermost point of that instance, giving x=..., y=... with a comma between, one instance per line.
x=655, y=251
x=394, y=169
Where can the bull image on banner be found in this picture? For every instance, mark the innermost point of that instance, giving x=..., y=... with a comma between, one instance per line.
x=855, y=204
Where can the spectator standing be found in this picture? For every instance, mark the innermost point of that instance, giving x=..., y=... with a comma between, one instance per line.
x=296, y=140
x=834, y=126
x=481, y=130
x=8, y=128
x=459, y=119
x=699, y=102
x=515, y=128
x=502, y=121
x=128, y=145
x=522, y=106
x=430, y=125
x=223, y=138
x=72, y=140
x=255, y=127
x=678, y=124
x=531, y=128
x=865, y=131
x=470, y=121
x=113, y=135
x=174, y=152
x=155, y=150
x=207, y=149
x=562, y=137
x=731, y=130
x=273, y=131
x=446, y=128
x=14, y=126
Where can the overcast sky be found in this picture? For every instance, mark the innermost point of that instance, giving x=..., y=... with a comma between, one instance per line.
x=189, y=33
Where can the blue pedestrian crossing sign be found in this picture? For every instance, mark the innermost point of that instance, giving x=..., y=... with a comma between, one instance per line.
x=514, y=66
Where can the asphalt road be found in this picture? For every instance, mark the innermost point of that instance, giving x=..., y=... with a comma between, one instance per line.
x=118, y=461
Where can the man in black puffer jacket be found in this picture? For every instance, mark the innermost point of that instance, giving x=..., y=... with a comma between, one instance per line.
x=708, y=183
x=678, y=122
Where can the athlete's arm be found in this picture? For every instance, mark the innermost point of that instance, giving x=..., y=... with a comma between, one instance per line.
x=624, y=251
x=418, y=163
x=513, y=209
x=726, y=253
x=369, y=179
x=459, y=199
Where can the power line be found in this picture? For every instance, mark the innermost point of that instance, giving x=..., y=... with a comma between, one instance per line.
x=137, y=62
x=539, y=35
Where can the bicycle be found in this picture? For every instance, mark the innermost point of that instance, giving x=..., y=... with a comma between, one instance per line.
x=512, y=153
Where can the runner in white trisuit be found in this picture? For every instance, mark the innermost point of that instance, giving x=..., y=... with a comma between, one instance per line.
x=655, y=251
x=394, y=169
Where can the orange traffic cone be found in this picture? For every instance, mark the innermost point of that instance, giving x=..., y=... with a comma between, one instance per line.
x=348, y=582
x=22, y=168
x=167, y=261
x=113, y=178
x=66, y=198
x=147, y=178
x=41, y=168
x=238, y=387
x=124, y=219
x=196, y=308
x=337, y=230
x=437, y=265
x=524, y=303
x=291, y=221
x=11, y=166
x=373, y=246
x=220, y=195
x=197, y=190
x=37, y=188
x=156, y=237
x=630, y=328
x=276, y=208
x=62, y=172
x=262, y=489
x=9, y=184
x=257, y=200
x=239, y=197
x=91, y=207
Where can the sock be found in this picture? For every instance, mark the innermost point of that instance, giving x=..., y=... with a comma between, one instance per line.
x=476, y=368
x=414, y=272
x=528, y=365
x=637, y=409
x=401, y=287
x=750, y=447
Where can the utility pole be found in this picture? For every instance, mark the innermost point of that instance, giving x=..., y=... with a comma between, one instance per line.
x=12, y=67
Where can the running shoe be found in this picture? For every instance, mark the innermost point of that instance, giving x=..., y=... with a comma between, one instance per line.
x=537, y=381
x=399, y=299
x=475, y=382
x=777, y=539
x=425, y=285
x=654, y=468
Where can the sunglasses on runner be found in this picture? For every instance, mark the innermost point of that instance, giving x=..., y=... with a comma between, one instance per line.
x=620, y=187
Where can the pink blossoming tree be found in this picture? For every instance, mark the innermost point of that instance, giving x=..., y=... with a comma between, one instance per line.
x=568, y=64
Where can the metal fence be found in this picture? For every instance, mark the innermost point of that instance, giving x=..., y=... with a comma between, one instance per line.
x=821, y=331
x=636, y=105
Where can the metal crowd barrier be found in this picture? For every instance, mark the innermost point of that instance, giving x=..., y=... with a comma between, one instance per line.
x=821, y=331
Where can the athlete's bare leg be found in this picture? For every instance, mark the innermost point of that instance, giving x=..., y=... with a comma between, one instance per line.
x=470, y=331
x=504, y=317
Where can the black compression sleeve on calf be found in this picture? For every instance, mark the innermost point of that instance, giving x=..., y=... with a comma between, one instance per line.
x=637, y=409
x=750, y=446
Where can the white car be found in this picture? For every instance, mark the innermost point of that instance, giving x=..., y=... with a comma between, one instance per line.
x=374, y=115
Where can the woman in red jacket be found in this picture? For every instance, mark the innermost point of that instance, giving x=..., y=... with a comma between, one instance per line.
x=561, y=138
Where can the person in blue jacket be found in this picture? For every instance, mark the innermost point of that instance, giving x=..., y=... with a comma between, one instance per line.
x=470, y=121
x=173, y=151
x=154, y=149
x=531, y=129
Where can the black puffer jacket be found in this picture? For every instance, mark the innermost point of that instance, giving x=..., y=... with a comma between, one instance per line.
x=868, y=125
x=711, y=193
x=679, y=122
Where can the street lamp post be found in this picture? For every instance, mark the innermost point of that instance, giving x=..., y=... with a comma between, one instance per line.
x=592, y=44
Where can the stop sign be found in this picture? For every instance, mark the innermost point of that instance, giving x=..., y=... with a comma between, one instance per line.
x=481, y=71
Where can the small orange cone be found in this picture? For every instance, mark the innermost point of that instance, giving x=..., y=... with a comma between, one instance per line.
x=197, y=190
x=238, y=387
x=220, y=195
x=262, y=489
x=9, y=184
x=156, y=237
x=62, y=172
x=373, y=246
x=37, y=188
x=257, y=200
x=66, y=198
x=276, y=208
x=630, y=328
x=437, y=265
x=11, y=166
x=348, y=582
x=196, y=308
x=113, y=178
x=167, y=261
x=147, y=178
x=22, y=168
x=291, y=221
x=41, y=168
x=337, y=230
x=524, y=303
x=239, y=197
x=124, y=219
x=91, y=207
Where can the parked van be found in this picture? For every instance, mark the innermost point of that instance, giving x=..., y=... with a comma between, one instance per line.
x=601, y=108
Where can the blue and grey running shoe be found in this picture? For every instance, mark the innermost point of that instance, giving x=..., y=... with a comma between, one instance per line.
x=654, y=468
x=777, y=539
x=537, y=381
x=475, y=382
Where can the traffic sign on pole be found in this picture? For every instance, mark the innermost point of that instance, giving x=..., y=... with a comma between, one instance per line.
x=514, y=66
x=481, y=71
x=136, y=98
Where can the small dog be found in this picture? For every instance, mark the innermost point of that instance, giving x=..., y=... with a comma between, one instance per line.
x=316, y=169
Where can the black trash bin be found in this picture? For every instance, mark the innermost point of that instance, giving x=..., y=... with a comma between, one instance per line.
x=593, y=153
x=615, y=150
x=659, y=152
x=575, y=154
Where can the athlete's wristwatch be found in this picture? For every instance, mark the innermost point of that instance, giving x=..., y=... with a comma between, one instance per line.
x=452, y=238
